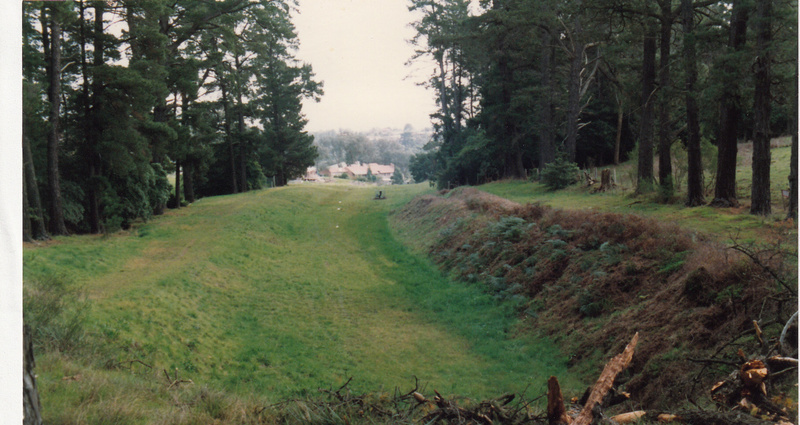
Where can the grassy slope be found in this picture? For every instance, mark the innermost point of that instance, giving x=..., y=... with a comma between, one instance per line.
x=724, y=222
x=262, y=295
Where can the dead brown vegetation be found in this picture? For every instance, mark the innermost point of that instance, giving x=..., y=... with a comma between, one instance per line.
x=584, y=278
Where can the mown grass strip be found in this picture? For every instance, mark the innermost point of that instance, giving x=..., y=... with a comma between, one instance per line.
x=273, y=294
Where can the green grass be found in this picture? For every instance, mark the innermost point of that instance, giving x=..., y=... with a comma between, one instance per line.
x=270, y=295
x=725, y=223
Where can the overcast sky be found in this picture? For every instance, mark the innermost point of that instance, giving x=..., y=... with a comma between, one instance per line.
x=359, y=48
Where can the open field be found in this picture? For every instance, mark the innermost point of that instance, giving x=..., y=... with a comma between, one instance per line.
x=270, y=295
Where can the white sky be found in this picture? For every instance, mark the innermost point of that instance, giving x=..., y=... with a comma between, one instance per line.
x=11, y=211
x=358, y=48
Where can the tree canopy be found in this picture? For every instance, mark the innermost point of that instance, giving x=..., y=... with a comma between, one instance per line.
x=519, y=81
x=119, y=94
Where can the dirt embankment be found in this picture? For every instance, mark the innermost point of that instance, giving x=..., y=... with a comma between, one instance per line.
x=591, y=280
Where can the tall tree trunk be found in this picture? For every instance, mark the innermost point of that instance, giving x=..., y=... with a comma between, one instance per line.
x=188, y=181
x=665, y=93
x=792, y=213
x=93, y=122
x=694, y=195
x=458, y=91
x=33, y=213
x=645, y=167
x=177, y=183
x=447, y=122
x=56, y=209
x=240, y=120
x=27, y=229
x=229, y=136
x=511, y=163
x=547, y=147
x=731, y=114
x=618, y=137
x=574, y=89
x=760, y=194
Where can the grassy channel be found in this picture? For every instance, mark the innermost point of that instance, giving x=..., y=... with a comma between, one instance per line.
x=270, y=295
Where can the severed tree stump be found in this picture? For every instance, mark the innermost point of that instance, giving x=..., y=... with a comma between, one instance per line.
x=605, y=180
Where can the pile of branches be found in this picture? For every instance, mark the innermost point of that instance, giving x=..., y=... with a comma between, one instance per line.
x=741, y=399
x=412, y=407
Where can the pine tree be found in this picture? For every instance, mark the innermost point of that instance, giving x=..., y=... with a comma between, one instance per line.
x=731, y=115
x=694, y=196
x=51, y=17
x=665, y=137
x=645, y=160
x=760, y=193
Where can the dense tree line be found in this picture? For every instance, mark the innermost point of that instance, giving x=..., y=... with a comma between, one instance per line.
x=520, y=82
x=117, y=94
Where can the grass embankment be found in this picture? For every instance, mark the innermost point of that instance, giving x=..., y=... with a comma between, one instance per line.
x=725, y=223
x=590, y=280
x=260, y=297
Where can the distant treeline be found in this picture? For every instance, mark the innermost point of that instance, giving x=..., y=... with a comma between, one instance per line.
x=520, y=83
x=119, y=94
x=379, y=146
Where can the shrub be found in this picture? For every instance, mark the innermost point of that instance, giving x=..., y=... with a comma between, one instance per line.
x=590, y=304
x=509, y=229
x=560, y=173
x=55, y=309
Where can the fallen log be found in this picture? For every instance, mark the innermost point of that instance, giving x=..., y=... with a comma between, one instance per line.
x=557, y=412
x=627, y=418
x=708, y=417
x=606, y=381
x=779, y=362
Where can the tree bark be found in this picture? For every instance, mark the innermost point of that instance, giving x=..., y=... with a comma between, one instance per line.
x=574, y=89
x=228, y=135
x=177, y=184
x=618, y=137
x=645, y=167
x=33, y=214
x=94, y=124
x=188, y=181
x=664, y=134
x=53, y=39
x=27, y=232
x=694, y=195
x=32, y=408
x=792, y=213
x=731, y=114
x=241, y=128
x=547, y=147
x=760, y=194
x=556, y=411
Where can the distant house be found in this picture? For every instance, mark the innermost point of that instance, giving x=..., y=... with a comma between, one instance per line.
x=312, y=175
x=383, y=173
x=357, y=170
x=333, y=170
